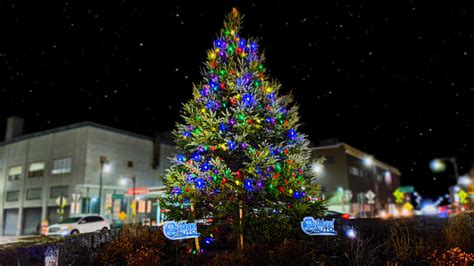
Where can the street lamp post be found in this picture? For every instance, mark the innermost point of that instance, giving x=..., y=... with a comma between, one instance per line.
x=369, y=162
x=134, y=186
x=103, y=162
x=437, y=165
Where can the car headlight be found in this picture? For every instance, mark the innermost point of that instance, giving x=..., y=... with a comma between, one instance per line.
x=64, y=231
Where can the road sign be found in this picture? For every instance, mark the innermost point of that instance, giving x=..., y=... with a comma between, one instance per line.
x=117, y=196
x=407, y=206
x=122, y=216
x=370, y=195
x=407, y=189
x=61, y=201
x=462, y=196
x=398, y=196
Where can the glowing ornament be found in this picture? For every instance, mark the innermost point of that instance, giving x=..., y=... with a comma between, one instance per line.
x=199, y=183
x=181, y=158
x=292, y=134
x=248, y=184
x=205, y=167
x=196, y=157
x=232, y=145
x=296, y=195
x=176, y=191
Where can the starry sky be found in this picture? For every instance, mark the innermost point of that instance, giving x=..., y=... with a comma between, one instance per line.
x=394, y=79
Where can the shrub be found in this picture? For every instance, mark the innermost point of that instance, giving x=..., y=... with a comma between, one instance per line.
x=453, y=256
x=136, y=245
x=459, y=232
x=400, y=242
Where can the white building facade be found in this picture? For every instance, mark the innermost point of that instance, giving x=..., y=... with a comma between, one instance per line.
x=37, y=170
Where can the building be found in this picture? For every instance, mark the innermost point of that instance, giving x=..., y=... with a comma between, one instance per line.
x=63, y=166
x=347, y=174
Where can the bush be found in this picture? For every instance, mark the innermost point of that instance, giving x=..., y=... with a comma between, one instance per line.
x=136, y=245
x=453, y=256
x=459, y=232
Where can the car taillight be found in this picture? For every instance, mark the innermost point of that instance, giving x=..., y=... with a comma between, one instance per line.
x=345, y=216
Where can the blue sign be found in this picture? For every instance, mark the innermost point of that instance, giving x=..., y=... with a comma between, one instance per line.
x=176, y=231
x=318, y=227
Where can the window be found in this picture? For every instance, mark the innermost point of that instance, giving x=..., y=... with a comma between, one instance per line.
x=93, y=219
x=14, y=173
x=33, y=194
x=13, y=195
x=59, y=191
x=354, y=171
x=62, y=166
x=36, y=169
x=388, y=178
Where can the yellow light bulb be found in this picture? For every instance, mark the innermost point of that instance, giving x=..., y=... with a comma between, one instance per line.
x=269, y=89
x=203, y=110
x=237, y=182
x=212, y=56
x=237, y=96
x=218, y=50
x=290, y=191
x=232, y=32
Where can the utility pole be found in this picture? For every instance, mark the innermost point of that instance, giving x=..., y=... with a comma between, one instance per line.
x=103, y=161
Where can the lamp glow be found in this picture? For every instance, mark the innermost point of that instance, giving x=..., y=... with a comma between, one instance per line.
x=437, y=165
x=107, y=168
x=368, y=161
x=317, y=168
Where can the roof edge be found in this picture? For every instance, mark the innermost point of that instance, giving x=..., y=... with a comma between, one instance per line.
x=71, y=127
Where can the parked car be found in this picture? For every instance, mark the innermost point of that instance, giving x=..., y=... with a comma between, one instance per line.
x=78, y=224
x=337, y=215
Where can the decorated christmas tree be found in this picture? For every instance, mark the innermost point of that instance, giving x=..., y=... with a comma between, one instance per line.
x=241, y=157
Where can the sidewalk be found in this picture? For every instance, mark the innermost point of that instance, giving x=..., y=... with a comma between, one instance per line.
x=12, y=239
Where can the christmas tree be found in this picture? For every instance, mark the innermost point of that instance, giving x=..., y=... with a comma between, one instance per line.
x=240, y=157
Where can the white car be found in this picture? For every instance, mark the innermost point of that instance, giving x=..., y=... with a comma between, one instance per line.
x=79, y=224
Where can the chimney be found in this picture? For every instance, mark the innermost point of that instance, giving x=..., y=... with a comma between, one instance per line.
x=14, y=127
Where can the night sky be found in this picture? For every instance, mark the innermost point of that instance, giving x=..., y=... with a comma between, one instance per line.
x=395, y=80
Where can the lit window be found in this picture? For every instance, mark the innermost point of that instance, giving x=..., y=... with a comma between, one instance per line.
x=13, y=195
x=33, y=194
x=388, y=178
x=36, y=170
x=62, y=166
x=14, y=173
x=354, y=171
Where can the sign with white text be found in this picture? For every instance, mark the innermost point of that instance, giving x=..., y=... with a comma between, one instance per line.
x=318, y=227
x=176, y=231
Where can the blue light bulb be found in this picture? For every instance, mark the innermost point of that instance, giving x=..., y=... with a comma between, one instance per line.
x=181, y=158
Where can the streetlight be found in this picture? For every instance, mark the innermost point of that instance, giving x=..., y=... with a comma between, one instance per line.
x=134, y=185
x=369, y=162
x=104, y=166
x=437, y=165
x=317, y=168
